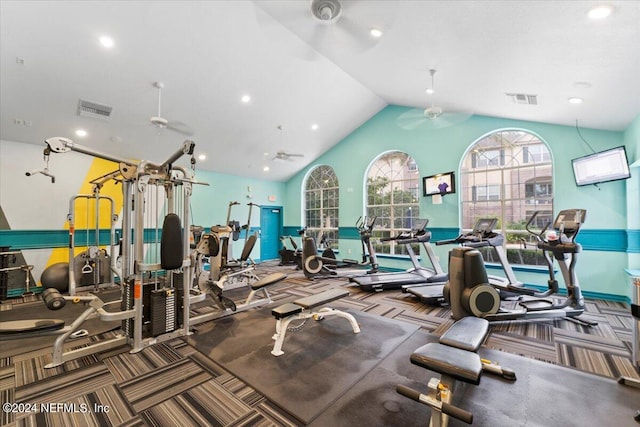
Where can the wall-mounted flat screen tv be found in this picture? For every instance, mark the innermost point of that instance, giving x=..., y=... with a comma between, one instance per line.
x=442, y=183
x=608, y=165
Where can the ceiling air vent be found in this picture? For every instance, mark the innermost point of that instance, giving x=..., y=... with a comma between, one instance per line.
x=93, y=110
x=522, y=98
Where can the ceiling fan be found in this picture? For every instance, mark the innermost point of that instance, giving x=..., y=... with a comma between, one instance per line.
x=340, y=23
x=283, y=155
x=434, y=116
x=163, y=123
x=328, y=27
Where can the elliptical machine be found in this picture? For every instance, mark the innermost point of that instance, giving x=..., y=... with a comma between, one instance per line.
x=470, y=294
x=319, y=266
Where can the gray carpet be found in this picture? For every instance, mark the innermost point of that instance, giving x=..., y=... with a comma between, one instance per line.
x=321, y=362
x=544, y=395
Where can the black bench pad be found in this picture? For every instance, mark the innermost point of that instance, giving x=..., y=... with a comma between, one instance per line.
x=460, y=364
x=321, y=298
x=268, y=280
x=25, y=326
x=286, y=310
x=467, y=333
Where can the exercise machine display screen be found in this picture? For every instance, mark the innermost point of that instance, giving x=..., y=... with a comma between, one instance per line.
x=419, y=225
x=485, y=225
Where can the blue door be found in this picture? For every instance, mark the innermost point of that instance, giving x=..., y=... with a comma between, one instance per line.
x=270, y=230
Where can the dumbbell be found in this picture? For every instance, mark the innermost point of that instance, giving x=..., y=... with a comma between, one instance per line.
x=53, y=299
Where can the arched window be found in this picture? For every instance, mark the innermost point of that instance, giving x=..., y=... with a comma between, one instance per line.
x=392, y=196
x=321, y=201
x=508, y=175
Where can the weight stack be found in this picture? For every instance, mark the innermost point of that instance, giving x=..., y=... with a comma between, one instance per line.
x=127, y=304
x=177, y=281
x=164, y=313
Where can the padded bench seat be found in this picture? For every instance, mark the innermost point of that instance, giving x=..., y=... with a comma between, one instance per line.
x=460, y=364
x=302, y=309
x=321, y=298
x=26, y=326
x=268, y=280
x=467, y=333
x=286, y=310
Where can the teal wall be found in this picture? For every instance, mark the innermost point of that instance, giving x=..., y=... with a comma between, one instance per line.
x=209, y=204
x=441, y=150
x=611, y=236
x=632, y=140
x=632, y=144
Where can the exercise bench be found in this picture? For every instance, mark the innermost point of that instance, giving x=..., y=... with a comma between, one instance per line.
x=302, y=309
x=455, y=358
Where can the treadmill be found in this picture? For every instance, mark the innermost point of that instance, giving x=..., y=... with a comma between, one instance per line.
x=482, y=235
x=417, y=274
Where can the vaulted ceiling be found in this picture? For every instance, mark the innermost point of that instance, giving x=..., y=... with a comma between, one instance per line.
x=300, y=71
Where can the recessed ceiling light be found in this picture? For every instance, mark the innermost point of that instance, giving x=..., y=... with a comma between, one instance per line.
x=81, y=133
x=575, y=100
x=107, y=41
x=600, y=12
x=245, y=98
x=202, y=157
x=266, y=168
x=375, y=33
x=314, y=126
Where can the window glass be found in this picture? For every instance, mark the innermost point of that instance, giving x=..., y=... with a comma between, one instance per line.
x=508, y=175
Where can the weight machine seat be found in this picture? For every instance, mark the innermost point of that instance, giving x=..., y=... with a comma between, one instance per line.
x=268, y=280
x=467, y=333
x=31, y=325
x=457, y=363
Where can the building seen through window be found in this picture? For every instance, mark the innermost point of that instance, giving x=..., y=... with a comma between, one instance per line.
x=508, y=175
x=321, y=206
x=392, y=189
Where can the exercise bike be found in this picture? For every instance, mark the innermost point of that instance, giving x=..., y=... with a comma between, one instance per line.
x=321, y=266
x=470, y=294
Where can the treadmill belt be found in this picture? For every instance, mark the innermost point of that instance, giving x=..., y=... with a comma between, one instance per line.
x=388, y=280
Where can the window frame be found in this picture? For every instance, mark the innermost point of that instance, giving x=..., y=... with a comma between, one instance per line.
x=403, y=182
x=328, y=221
x=519, y=171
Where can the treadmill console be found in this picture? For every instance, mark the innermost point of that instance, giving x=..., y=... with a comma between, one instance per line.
x=419, y=225
x=485, y=226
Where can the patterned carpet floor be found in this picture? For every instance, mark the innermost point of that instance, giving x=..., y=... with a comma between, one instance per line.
x=172, y=383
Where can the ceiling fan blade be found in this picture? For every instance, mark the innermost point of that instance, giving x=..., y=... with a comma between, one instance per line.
x=412, y=119
x=356, y=37
x=180, y=127
x=415, y=118
x=452, y=118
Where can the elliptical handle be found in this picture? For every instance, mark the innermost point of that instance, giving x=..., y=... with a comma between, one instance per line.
x=535, y=214
x=533, y=233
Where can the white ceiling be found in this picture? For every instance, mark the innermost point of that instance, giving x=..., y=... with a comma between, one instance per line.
x=299, y=71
